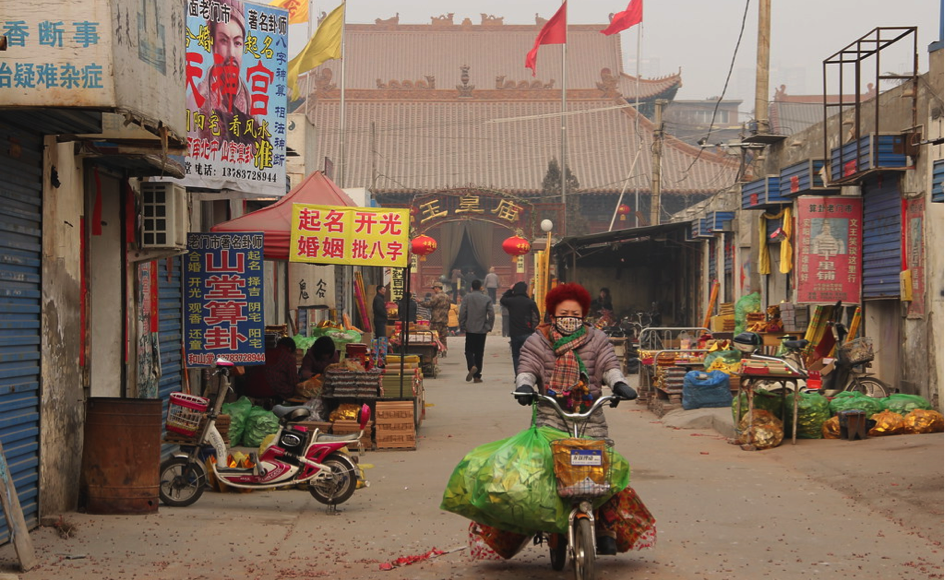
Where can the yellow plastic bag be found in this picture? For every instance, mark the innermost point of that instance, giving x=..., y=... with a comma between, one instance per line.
x=887, y=423
x=922, y=421
x=766, y=432
x=831, y=428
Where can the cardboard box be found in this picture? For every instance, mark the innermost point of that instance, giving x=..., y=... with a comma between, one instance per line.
x=344, y=427
x=396, y=425
x=397, y=440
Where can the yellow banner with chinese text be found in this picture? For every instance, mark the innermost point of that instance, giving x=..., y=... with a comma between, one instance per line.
x=359, y=236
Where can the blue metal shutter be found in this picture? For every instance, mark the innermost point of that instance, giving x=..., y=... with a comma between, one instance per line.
x=21, y=199
x=170, y=316
x=713, y=263
x=882, y=230
x=729, y=246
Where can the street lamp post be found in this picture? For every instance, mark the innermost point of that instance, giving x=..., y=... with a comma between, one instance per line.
x=546, y=226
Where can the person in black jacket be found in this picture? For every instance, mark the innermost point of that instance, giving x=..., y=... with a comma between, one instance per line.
x=523, y=318
x=410, y=304
x=379, y=308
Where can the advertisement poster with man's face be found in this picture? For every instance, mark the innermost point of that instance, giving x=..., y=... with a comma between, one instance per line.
x=829, y=249
x=236, y=62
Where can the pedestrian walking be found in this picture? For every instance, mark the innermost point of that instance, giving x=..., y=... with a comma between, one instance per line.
x=379, y=308
x=523, y=318
x=476, y=317
x=439, y=305
x=492, y=284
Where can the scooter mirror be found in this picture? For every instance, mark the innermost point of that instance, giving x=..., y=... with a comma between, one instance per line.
x=364, y=415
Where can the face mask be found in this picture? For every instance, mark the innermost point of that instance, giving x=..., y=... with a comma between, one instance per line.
x=568, y=324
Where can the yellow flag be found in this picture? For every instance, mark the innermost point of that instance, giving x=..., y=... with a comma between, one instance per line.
x=298, y=9
x=324, y=45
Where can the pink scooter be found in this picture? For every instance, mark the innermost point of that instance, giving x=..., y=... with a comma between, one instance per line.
x=295, y=456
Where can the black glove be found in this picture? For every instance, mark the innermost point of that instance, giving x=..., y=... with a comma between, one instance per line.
x=624, y=392
x=527, y=397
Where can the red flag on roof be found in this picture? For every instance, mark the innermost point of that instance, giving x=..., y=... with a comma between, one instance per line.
x=624, y=20
x=555, y=31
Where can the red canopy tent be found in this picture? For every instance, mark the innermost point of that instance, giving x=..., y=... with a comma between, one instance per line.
x=275, y=220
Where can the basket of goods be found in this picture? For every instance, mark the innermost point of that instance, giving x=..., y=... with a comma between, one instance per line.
x=855, y=352
x=184, y=412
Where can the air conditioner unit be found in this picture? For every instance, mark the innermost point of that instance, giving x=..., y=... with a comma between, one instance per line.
x=165, y=216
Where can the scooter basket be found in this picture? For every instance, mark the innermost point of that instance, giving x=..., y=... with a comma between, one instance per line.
x=184, y=413
x=855, y=352
x=582, y=467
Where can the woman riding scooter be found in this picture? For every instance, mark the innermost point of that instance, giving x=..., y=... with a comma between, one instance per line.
x=570, y=357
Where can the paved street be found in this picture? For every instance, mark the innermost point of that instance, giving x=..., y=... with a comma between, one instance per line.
x=831, y=509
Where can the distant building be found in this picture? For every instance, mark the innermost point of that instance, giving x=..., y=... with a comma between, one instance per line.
x=701, y=121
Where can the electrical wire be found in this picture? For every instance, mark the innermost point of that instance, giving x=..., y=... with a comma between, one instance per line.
x=728, y=77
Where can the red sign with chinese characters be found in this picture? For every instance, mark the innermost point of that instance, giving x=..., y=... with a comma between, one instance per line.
x=829, y=249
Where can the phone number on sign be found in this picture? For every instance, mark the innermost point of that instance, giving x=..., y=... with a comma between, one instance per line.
x=249, y=174
x=234, y=357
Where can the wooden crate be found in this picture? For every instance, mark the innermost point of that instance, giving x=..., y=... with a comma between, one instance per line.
x=396, y=425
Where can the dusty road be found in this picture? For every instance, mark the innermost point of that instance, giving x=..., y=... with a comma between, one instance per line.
x=821, y=509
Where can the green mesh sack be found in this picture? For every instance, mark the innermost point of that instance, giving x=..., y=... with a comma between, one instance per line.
x=510, y=484
x=259, y=423
x=744, y=305
x=852, y=400
x=813, y=410
x=764, y=400
x=904, y=404
x=238, y=411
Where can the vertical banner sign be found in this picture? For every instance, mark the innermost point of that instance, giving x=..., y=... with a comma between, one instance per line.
x=915, y=254
x=223, y=299
x=236, y=61
x=829, y=249
x=324, y=234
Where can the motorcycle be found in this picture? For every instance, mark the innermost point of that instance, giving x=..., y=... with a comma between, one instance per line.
x=295, y=457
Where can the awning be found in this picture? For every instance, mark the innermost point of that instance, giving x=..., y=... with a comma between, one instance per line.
x=627, y=236
x=275, y=219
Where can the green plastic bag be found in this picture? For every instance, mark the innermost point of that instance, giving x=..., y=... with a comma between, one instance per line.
x=727, y=356
x=510, y=484
x=813, y=410
x=853, y=400
x=904, y=404
x=744, y=305
x=764, y=400
x=259, y=423
x=238, y=411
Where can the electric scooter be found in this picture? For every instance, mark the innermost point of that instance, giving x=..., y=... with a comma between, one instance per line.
x=297, y=457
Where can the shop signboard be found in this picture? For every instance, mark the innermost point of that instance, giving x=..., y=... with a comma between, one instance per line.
x=120, y=55
x=236, y=61
x=223, y=299
x=358, y=236
x=829, y=245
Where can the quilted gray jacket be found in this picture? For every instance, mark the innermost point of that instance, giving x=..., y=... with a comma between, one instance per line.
x=537, y=361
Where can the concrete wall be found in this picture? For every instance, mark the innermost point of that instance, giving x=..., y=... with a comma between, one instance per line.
x=63, y=395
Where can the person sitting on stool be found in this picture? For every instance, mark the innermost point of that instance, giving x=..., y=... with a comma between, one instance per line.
x=321, y=354
x=275, y=381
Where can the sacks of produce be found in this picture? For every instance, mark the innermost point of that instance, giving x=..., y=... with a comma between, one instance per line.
x=703, y=390
x=812, y=411
x=766, y=430
x=763, y=399
x=238, y=411
x=904, y=404
x=923, y=421
x=831, y=428
x=887, y=423
x=854, y=400
x=510, y=484
x=259, y=423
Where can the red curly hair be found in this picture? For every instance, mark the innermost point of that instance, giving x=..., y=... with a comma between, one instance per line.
x=570, y=291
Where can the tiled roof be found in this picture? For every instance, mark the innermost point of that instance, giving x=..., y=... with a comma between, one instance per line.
x=662, y=87
x=448, y=142
x=395, y=53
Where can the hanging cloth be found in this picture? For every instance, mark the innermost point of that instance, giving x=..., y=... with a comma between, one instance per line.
x=764, y=259
x=787, y=252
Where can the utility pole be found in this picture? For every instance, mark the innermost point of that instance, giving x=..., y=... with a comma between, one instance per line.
x=657, y=161
x=761, y=74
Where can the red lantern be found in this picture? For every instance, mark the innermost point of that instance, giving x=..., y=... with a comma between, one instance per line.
x=623, y=210
x=423, y=245
x=516, y=246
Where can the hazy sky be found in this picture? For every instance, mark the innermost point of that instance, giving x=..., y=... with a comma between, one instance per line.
x=699, y=36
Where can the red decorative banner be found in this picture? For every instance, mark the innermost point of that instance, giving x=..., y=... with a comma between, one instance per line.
x=829, y=249
x=914, y=250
